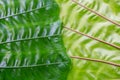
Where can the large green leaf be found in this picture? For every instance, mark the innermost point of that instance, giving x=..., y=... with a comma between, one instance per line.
x=31, y=46
x=81, y=19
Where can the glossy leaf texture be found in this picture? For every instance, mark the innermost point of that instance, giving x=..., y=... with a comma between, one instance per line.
x=82, y=20
x=31, y=46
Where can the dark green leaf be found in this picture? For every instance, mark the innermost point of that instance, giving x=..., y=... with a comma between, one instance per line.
x=31, y=46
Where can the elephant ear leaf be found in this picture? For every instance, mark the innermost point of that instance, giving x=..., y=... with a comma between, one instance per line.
x=31, y=46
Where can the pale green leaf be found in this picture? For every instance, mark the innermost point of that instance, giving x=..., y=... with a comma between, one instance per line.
x=85, y=21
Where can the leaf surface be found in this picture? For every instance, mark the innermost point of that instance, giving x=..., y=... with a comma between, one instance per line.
x=31, y=46
x=82, y=20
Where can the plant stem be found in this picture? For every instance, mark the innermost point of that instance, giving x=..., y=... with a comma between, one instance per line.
x=96, y=60
x=115, y=46
x=85, y=7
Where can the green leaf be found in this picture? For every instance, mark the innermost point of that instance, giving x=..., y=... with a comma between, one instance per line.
x=85, y=21
x=31, y=46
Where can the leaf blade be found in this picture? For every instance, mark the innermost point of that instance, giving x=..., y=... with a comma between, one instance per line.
x=30, y=38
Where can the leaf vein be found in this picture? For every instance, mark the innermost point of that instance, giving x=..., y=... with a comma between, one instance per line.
x=27, y=39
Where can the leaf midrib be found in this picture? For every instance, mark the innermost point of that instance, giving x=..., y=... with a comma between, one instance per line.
x=27, y=39
x=21, y=13
x=24, y=12
x=32, y=66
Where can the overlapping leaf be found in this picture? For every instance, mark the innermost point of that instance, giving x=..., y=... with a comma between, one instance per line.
x=80, y=19
x=31, y=46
